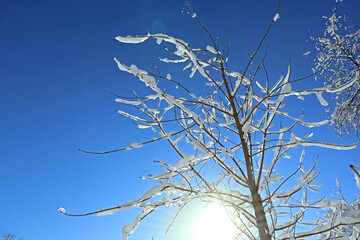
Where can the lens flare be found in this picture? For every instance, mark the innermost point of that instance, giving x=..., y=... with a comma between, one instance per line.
x=158, y=27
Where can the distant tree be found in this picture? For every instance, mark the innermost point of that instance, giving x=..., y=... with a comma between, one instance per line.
x=236, y=127
x=9, y=236
x=338, y=60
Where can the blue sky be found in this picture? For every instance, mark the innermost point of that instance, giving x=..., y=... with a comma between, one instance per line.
x=57, y=58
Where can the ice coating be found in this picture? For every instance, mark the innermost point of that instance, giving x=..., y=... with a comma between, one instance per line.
x=131, y=39
x=276, y=17
x=62, y=210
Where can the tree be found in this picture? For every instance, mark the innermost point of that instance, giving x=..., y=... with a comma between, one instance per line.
x=237, y=127
x=345, y=208
x=338, y=60
x=9, y=236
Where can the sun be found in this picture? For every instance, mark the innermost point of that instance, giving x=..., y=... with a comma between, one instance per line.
x=214, y=224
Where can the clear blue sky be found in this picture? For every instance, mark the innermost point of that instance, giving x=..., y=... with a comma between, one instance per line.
x=56, y=58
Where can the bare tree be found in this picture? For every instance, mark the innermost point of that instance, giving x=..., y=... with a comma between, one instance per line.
x=9, y=236
x=338, y=60
x=237, y=128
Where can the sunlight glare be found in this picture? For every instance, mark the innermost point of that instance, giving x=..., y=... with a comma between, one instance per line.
x=214, y=224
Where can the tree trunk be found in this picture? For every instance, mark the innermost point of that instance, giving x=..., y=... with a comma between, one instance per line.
x=261, y=222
